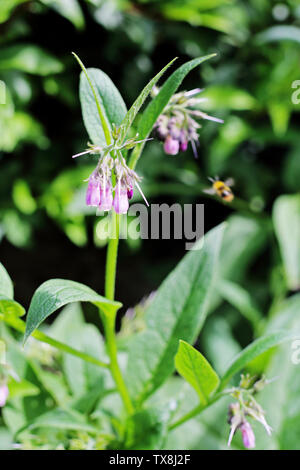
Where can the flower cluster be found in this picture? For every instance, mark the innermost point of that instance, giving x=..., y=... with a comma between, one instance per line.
x=246, y=406
x=177, y=126
x=112, y=183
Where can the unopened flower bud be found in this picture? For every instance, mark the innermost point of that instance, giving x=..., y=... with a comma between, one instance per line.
x=171, y=146
x=130, y=192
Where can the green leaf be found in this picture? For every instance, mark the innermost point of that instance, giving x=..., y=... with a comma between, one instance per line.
x=146, y=429
x=157, y=105
x=24, y=388
x=177, y=311
x=10, y=308
x=129, y=118
x=56, y=293
x=6, y=285
x=54, y=383
x=7, y=7
x=62, y=419
x=254, y=350
x=227, y=97
x=279, y=33
x=196, y=370
x=242, y=301
x=101, y=104
x=29, y=58
x=286, y=218
x=81, y=375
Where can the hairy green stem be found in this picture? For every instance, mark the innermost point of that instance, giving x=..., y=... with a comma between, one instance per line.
x=110, y=337
x=109, y=321
x=111, y=258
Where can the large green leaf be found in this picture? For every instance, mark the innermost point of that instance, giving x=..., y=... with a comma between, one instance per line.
x=6, y=285
x=286, y=217
x=157, y=105
x=56, y=293
x=109, y=98
x=177, y=311
x=196, y=370
x=129, y=118
x=254, y=350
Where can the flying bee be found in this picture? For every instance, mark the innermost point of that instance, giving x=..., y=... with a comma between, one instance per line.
x=221, y=188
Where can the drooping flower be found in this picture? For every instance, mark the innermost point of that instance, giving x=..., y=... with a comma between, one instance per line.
x=244, y=407
x=247, y=435
x=4, y=392
x=120, y=202
x=176, y=126
x=93, y=190
x=106, y=197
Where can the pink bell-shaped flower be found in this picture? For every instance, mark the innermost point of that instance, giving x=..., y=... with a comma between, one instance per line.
x=106, y=198
x=93, y=191
x=120, y=202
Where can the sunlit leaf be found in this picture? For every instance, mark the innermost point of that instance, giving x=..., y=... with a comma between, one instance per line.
x=196, y=370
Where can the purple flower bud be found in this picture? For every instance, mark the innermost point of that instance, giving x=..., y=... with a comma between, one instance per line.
x=106, y=198
x=183, y=145
x=248, y=435
x=4, y=392
x=120, y=202
x=171, y=146
x=93, y=191
x=183, y=141
x=130, y=192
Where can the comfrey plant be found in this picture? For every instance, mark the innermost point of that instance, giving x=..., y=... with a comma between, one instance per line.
x=104, y=390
